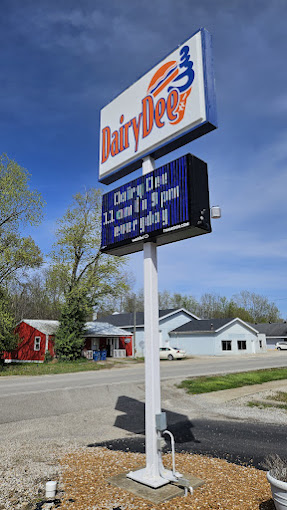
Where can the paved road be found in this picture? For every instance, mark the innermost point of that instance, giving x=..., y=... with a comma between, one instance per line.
x=13, y=386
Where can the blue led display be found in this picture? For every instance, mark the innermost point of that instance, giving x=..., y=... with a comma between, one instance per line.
x=153, y=206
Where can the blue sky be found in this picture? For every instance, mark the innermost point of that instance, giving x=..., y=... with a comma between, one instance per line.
x=61, y=62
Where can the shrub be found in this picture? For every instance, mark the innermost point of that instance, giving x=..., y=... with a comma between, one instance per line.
x=277, y=467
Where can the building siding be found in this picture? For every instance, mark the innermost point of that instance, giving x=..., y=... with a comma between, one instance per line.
x=25, y=349
x=169, y=323
x=211, y=343
x=165, y=326
x=197, y=345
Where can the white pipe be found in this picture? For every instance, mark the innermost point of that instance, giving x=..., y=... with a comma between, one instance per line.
x=172, y=450
x=51, y=489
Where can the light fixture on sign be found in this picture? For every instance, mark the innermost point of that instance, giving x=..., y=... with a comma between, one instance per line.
x=215, y=212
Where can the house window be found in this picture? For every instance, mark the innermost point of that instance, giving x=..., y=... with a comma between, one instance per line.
x=37, y=343
x=226, y=345
x=241, y=344
x=260, y=344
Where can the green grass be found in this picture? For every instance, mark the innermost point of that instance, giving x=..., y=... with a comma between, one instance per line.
x=261, y=405
x=54, y=367
x=228, y=381
x=265, y=405
x=280, y=396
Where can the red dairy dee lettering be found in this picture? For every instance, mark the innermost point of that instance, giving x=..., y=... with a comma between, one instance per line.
x=140, y=126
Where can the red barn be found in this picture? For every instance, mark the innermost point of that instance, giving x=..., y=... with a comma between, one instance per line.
x=36, y=337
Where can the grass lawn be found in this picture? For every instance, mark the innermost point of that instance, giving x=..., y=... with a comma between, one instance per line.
x=228, y=381
x=56, y=367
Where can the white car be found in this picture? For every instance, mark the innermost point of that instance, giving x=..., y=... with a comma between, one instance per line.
x=171, y=353
x=281, y=345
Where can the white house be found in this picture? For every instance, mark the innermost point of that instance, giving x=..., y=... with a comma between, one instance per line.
x=274, y=331
x=168, y=321
x=216, y=337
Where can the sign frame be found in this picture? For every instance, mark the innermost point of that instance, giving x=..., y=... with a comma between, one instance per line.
x=180, y=137
x=174, y=196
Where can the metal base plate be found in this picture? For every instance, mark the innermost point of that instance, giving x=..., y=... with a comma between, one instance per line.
x=145, y=477
x=155, y=496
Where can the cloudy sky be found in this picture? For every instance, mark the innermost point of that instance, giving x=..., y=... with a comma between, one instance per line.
x=62, y=61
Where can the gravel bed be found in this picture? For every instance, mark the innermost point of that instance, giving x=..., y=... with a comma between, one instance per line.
x=227, y=486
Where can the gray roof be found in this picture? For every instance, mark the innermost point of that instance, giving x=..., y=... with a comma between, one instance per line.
x=98, y=328
x=206, y=326
x=44, y=326
x=275, y=329
x=127, y=319
x=202, y=326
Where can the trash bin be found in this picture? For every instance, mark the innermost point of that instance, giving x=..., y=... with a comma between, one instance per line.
x=96, y=355
x=103, y=355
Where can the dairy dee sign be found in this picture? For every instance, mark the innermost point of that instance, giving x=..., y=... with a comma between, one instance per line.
x=169, y=106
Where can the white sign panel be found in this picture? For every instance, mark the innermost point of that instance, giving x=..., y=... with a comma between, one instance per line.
x=168, y=107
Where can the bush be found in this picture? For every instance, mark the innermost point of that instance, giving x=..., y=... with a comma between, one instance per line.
x=48, y=357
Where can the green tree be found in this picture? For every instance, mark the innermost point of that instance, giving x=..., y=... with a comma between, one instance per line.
x=233, y=310
x=19, y=208
x=259, y=307
x=76, y=257
x=184, y=301
x=82, y=275
x=8, y=340
x=133, y=301
x=69, y=339
x=213, y=306
x=33, y=298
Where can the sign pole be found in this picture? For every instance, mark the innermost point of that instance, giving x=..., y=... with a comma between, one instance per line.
x=150, y=475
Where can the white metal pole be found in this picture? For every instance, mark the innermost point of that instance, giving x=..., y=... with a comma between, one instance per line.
x=152, y=368
x=150, y=475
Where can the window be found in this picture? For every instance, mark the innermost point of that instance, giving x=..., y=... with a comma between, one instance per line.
x=226, y=345
x=95, y=344
x=37, y=343
x=260, y=344
x=241, y=344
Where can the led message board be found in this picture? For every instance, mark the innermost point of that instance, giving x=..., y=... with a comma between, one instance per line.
x=166, y=205
x=169, y=106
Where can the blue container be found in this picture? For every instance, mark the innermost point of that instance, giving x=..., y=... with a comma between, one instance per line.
x=103, y=355
x=96, y=355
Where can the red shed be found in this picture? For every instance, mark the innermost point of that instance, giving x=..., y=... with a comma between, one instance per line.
x=36, y=337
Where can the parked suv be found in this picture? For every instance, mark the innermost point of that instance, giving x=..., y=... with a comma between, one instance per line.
x=281, y=345
x=171, y=353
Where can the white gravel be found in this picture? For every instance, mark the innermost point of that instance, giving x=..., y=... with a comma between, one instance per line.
x=239, y=409
x=24, y=470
